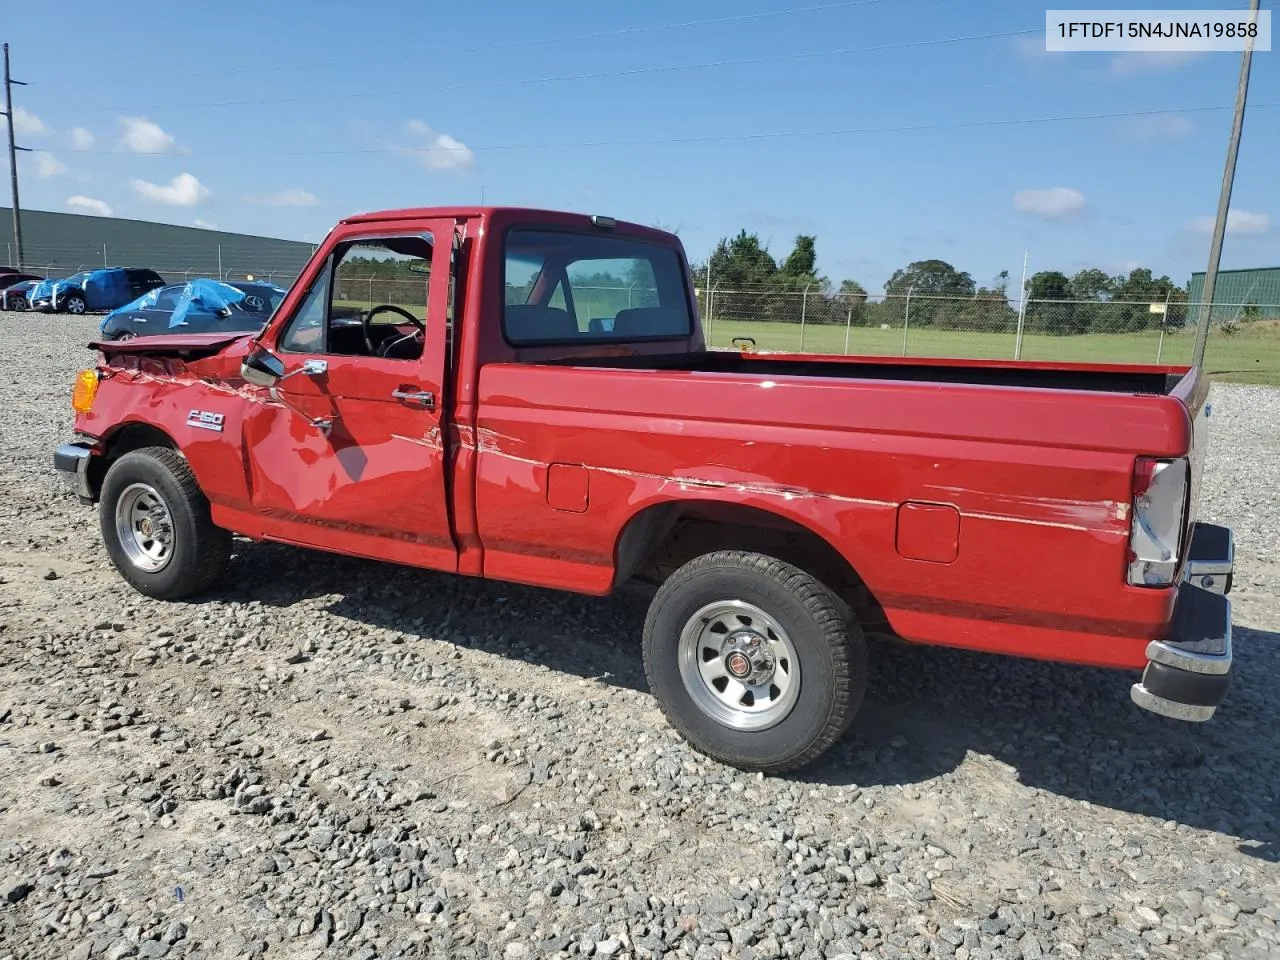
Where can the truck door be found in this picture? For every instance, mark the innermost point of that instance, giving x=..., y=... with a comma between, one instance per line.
x=347, y=453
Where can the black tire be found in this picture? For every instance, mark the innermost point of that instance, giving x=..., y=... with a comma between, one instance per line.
x=828, y=644
x=200, y=550
x=74, y=305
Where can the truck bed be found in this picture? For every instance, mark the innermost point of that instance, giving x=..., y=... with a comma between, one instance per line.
x=1101, y=378
x=1020, y=475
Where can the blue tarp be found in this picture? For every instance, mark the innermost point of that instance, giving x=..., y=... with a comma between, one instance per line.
x=42, y=289
x=75, y=280
x=102, y=289
x=204, y=296
x=105, y=289
x=144, y=302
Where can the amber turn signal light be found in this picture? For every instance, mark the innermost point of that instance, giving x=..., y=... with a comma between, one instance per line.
x=85, y=389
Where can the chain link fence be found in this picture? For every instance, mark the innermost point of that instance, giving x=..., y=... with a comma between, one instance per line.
x=815, y=322
x=969, y=327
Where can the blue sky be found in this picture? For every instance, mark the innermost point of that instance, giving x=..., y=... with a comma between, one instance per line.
x=279, y=118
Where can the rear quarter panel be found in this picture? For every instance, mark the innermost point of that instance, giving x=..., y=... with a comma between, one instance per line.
x=1040, y=478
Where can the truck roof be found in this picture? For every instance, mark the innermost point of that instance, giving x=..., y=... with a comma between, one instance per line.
x=532, y=213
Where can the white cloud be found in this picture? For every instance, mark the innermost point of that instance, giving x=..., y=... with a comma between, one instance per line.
x=1240, y=223
x=81, y=139
x=1031, y=50
x=184, y=190
x=1053, y=203
x=438, y=151
x=1145, y=61
x=83, y=204
x=294, y=197
x=1160, y=127
x=140, y=135
x=27, y=123
x=204, y=224
x=47, y=165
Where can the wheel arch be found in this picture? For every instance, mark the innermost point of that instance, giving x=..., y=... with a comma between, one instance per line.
x=128, y=436
x=661, y=537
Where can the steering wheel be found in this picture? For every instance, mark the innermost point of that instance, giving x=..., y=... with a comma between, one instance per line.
x=386, y=308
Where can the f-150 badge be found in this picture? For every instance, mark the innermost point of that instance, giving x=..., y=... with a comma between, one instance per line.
x=205, y=420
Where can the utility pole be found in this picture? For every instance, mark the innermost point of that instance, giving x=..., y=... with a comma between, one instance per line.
x=13, y=156
x=1224, y=199
x=1022, y=308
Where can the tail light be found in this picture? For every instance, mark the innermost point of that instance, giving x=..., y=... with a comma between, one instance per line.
x=1156, y=524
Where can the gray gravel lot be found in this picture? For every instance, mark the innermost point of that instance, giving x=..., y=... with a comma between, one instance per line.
x=334, y=757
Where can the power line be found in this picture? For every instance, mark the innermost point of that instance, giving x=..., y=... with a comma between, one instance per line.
x=569, y=38
x=720, y=138
x=596, y=75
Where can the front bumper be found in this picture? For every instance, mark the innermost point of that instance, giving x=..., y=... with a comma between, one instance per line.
x=1189, y=671
x=71, y=460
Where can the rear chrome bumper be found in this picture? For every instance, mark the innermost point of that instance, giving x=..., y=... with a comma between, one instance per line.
x=1189, y=671
x=1211, y=559
x=71, y=460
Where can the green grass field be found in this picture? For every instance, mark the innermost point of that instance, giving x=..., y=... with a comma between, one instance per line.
x=1249, y=356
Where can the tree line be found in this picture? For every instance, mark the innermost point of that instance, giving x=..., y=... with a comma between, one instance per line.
x=941, y=295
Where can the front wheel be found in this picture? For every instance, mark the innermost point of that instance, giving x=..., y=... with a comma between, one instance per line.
x=74, y=305
x=752, y=660
x=156, y=526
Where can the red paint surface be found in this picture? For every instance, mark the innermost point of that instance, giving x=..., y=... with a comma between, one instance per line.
x=1033, y=484
x=929, y=532
x=567, y=486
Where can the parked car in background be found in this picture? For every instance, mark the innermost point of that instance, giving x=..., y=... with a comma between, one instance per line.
x=13, y=296
x=94, y=290
x=11, y=275
x=197, y=306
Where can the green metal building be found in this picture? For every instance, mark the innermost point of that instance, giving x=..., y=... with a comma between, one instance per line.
x=1240, y=294
x=59, y=244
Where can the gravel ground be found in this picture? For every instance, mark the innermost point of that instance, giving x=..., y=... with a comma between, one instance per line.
x=339, y=758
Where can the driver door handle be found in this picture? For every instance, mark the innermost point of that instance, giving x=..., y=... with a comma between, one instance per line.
x=424, y=397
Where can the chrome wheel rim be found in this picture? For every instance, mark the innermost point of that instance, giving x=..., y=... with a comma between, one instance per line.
x=75, y=305
x=739, y=665
x=144, y=527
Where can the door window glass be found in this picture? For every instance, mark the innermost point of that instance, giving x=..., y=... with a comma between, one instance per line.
x=373, y=302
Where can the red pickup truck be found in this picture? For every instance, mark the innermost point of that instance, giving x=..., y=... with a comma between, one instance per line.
x=506, y=414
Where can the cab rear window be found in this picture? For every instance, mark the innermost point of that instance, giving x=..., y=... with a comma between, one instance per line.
x=565, y=287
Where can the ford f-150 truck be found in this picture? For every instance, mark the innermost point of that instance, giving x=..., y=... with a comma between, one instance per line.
x=506, y=413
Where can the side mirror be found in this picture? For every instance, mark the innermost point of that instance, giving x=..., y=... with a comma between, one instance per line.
x=262, y=368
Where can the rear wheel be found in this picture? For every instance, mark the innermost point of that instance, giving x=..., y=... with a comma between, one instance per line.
x=156, y=526
x=753, y=661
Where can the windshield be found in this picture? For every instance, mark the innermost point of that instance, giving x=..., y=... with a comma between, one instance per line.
x=564, y=287
x=77, y=278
